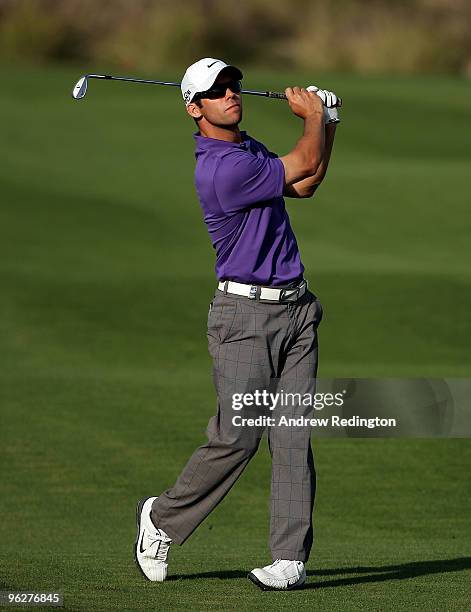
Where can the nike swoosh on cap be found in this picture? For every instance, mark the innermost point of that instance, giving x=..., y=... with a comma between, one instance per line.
x=209, y=65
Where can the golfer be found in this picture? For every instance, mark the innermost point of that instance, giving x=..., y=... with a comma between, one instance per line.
x=262, y=324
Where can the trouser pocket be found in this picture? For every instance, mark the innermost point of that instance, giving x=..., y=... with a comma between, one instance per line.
x=221, y=317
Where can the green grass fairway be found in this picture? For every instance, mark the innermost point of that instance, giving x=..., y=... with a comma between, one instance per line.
x=105, y=377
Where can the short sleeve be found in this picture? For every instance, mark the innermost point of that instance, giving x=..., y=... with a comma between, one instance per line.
x=242, y=179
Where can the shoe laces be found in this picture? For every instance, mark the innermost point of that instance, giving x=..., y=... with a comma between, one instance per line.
x=275, y=563
x=163, y=544
x=283, y=561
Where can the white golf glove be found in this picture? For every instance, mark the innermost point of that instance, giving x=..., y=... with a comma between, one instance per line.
x=329, y=99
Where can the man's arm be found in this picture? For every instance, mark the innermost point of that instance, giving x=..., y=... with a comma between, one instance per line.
x=306, y=157
x=306, y=187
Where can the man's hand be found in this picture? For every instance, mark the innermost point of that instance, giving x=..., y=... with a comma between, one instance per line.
x=328, y=98
x=303, y=103
x=331, y=113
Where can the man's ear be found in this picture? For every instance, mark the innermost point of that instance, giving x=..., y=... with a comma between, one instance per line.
x=194, y=111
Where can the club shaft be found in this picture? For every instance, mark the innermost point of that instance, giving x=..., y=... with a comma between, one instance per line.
x=110, y=77
x=266, y=94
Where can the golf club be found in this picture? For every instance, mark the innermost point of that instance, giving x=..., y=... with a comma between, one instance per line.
x=80, y=89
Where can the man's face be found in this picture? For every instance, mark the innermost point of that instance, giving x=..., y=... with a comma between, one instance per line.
x=225, y=111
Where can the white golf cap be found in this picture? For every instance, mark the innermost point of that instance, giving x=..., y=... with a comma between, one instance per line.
x=201, y=75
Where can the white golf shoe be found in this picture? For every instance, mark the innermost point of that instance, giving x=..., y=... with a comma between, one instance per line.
x=281, y=574
x=152, y=544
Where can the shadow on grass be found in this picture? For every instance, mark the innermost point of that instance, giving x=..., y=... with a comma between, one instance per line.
x=384, y=573
x=375, y=574
x=231, y=574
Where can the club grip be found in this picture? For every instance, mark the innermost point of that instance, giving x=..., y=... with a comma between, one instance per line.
x=282, y=96
x=275, y=94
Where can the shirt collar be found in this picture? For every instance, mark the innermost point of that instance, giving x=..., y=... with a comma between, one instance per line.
x=203, y=143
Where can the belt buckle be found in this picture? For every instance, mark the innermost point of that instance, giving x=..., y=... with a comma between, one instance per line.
x=253, y=292
x=290, y=298
x=295, y=292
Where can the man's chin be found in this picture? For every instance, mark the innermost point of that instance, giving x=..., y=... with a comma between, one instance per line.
x=235, y=120
x=229, y=123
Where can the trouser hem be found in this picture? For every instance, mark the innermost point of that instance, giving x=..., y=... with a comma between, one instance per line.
x=176, y=539
x=290, y=555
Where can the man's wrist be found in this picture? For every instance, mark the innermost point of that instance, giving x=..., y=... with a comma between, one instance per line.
x=315, y=115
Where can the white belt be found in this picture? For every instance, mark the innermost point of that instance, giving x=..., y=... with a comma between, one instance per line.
x=256, y=292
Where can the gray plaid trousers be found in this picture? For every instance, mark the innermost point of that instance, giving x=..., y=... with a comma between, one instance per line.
x=254, y=345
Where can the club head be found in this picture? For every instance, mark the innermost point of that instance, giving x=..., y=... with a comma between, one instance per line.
x=80, y=88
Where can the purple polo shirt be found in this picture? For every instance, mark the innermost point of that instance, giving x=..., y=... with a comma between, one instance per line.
x=240, y=188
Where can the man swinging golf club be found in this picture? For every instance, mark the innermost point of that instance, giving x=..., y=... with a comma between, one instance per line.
x=262, y=323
